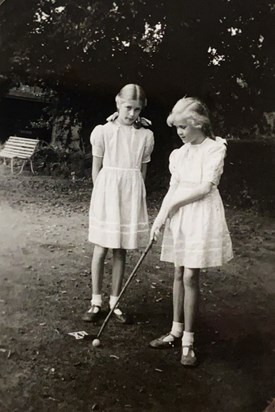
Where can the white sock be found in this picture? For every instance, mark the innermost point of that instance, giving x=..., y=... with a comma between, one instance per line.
x=96, y=300
x=187, y=340
x=177, y=329
x=112, y=303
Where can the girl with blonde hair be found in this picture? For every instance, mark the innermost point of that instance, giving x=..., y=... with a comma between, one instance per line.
x=196, y=234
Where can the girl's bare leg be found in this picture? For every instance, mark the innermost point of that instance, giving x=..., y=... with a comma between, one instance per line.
x=97, y=268
x=119, y=259
x=174, y=336
x=191, y=301
x=178, y=295
x=97, y=271
x=191, y=297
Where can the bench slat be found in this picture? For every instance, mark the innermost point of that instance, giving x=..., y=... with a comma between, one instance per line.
x=11, y=155
x=21, y=144
x=19, y=149
x=11, y=146
x=27, y=152
x=33, y=142
x=17, y=142
x=23, y=149
x=16, y=146
x=22, y=154
x=22, y=139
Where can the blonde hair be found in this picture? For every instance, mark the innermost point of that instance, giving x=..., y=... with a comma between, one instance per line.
x=194, y=112
x=131, y=92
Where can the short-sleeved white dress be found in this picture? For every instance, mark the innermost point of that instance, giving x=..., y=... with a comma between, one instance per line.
x=118, y=213
x=197, y=235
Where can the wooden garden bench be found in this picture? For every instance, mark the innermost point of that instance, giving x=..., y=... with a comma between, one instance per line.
x=20, y=148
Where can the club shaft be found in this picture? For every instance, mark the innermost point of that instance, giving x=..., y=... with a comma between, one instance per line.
x=124, y=288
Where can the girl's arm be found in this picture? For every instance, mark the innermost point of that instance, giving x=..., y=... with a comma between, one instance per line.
x=163, y=213
x=143, y=170
x=198, y=193
x=213, y=170
x=97, y=165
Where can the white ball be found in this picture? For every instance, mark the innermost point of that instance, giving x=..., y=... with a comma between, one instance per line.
x=96, y=342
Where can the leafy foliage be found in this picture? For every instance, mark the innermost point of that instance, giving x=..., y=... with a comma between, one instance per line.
x=220, y=50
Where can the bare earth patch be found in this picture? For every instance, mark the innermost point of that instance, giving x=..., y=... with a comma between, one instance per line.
x=45, y=288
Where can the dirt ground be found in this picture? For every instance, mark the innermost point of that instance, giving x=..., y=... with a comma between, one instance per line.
x=45, y=288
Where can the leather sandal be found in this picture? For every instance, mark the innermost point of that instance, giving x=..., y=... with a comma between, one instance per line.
x=190, y=359
x=122, y=317
x=160, y=343
x=92, y=315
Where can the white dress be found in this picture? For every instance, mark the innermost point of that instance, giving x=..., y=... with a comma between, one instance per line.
x=118, y=213
x=197, y=235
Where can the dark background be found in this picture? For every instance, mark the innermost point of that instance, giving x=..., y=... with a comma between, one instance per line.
x=80, y=53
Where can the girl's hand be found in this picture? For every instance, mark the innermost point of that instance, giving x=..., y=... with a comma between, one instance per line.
x=156, y=228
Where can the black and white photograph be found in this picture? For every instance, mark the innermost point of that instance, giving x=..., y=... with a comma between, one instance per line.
x=137, y=206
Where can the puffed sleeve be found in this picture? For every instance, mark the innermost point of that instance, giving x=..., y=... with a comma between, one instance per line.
x=174, y=180
x=149, y=146
x=97, y=141
x=214, y=161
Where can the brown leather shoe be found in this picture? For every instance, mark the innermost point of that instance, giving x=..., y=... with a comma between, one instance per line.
x=190, y=359
x=122, y=317
x=160, y=343
x=92, y=315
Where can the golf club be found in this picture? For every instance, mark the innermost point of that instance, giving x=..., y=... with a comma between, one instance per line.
x=96, y=341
